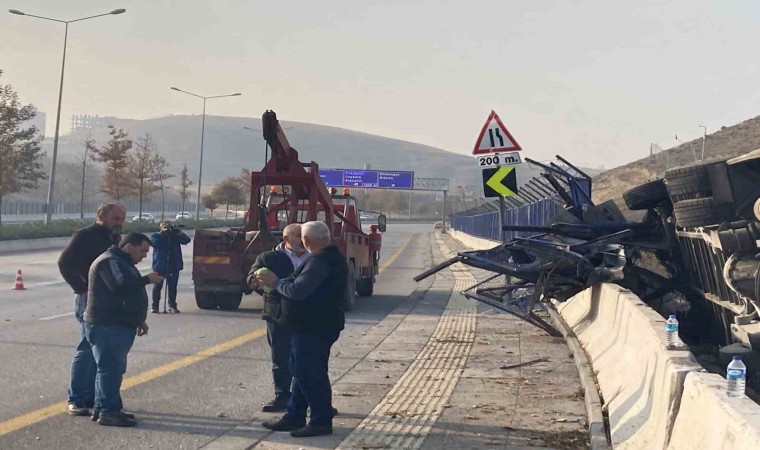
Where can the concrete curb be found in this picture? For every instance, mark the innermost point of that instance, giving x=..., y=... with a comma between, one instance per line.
x=597, y=425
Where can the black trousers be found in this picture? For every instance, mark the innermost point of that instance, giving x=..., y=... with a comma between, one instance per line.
x=279, y=343
x=172, y=279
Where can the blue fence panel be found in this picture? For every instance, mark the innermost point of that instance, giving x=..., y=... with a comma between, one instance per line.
x=487, y=225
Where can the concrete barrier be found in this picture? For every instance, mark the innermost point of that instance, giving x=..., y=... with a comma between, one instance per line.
x=709, y=420
x=472, y=241
x=640, y=380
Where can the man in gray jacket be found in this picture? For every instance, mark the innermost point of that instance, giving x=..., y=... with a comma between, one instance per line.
x=117, y=305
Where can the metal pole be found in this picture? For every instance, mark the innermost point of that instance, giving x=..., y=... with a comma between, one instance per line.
x=501, y=219
x=443, y=213
x=200, y=165
x=704, y=137
x=410, y=204
x=51, y=181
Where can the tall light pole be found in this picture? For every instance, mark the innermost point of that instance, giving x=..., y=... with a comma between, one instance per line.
x=203, y=128
x=704, y=137
x=51, y=180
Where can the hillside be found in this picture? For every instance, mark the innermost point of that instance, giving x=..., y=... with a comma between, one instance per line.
x=726, y=143
x=229, y=148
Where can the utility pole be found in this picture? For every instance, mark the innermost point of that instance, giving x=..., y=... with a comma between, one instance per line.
x=704, y=137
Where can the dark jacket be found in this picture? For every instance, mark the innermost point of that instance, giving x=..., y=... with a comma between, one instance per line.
x=116, y=294
x=278, y=262
x=162, y=243
x=313, y=297
x=85, y=245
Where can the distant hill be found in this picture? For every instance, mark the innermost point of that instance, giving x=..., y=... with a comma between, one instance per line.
x=726, y=143
x=229, y=148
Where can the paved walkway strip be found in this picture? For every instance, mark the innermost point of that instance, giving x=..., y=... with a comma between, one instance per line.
x=404, y=418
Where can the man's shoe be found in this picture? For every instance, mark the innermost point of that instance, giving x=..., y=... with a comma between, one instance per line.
x=77, y=409
x=279, y=404
x=312, y=430
x=116, y=420
x=284, y=424
x=173, y=310
x=154, y=310
x=96, y=415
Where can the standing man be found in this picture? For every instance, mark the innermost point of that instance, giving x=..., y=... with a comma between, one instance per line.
x=288, y=256
x=312, y=300
x=167, y=261
x=74, y=264
x=116, y=311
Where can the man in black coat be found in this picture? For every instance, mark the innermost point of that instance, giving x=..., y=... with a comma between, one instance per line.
x=312, y=309
x=286, y=257
x=116, y=312
x=74, y=264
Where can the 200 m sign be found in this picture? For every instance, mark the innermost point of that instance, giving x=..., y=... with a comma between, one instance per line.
x=499, y=159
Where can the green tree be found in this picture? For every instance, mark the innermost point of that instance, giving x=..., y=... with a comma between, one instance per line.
x=229, y=192
x=20, y=152
x=115, y=157
x=210, y=202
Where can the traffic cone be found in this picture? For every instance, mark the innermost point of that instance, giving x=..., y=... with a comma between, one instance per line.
x=19, y=286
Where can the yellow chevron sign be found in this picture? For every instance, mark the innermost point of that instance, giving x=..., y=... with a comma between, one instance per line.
x=501, y=181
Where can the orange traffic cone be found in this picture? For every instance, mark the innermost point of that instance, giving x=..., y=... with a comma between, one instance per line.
x=19, y=286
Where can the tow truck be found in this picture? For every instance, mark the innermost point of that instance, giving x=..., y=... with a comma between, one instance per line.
x=296, y=194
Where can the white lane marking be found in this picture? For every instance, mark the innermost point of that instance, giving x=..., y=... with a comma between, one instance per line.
x=57, y=316
x=43, y=283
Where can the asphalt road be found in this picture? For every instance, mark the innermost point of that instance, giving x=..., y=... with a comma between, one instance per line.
x=196, y=374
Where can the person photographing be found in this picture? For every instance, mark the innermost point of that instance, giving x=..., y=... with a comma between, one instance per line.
x=167, y=261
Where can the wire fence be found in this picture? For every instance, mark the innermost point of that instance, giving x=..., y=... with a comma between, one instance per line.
x=486, y=224
x=25, y=208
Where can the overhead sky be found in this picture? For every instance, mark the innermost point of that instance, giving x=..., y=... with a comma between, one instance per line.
x=596, y=81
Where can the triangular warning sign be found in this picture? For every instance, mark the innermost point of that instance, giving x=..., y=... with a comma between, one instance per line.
x=494, y=138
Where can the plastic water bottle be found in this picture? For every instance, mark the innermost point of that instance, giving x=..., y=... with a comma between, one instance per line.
x=736, y=378
x=671, y=331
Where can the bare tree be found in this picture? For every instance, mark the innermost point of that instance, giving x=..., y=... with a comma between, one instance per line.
x=89, y=145
x=143, y=171
x=229, y=192
x=160, y=174
x=184, y=184
x=210, y=202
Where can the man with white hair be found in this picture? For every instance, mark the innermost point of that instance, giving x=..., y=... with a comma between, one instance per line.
x=282, y=261
x=312, y=310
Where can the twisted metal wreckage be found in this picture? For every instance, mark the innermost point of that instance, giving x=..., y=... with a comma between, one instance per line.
x=585, y=244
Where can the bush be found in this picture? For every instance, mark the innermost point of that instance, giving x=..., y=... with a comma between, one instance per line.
x=65, y=228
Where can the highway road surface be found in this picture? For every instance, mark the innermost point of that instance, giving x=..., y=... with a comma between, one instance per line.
x=195, y=376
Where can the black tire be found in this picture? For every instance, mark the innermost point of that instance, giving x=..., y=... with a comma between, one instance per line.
x=365, y=287
x=229, y=301
x=701, y=212
x=688, y=183
x=205, y=300
x=350, y=297
x=646, y=196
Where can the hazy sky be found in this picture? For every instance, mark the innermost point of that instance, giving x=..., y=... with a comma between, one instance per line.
x=596, y=81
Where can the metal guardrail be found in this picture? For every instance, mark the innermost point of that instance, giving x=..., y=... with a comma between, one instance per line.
x=486, y=225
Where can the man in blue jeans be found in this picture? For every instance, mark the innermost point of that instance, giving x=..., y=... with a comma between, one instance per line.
x=74, y=263
x=116, y=311
x=312, y=309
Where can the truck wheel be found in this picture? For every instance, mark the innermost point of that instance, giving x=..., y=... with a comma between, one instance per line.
x=648, y=195
x=205, y=300
x=350, y=297
x=702, y=212
x=229, y=301
x=688, y=183
x=366, y=285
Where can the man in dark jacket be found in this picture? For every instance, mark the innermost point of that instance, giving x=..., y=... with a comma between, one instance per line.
x=116, y=310
x=286, y=257
x=74, y=264
x=312, y=300
x=167, y=261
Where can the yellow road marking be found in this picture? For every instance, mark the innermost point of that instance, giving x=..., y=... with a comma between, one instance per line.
x=55, y=409
x=394, y=256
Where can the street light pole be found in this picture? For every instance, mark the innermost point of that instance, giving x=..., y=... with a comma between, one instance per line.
x=203, y=129
x=51, y=179
x=704, y=137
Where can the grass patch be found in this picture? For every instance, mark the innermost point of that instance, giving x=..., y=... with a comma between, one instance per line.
x=65, y=228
